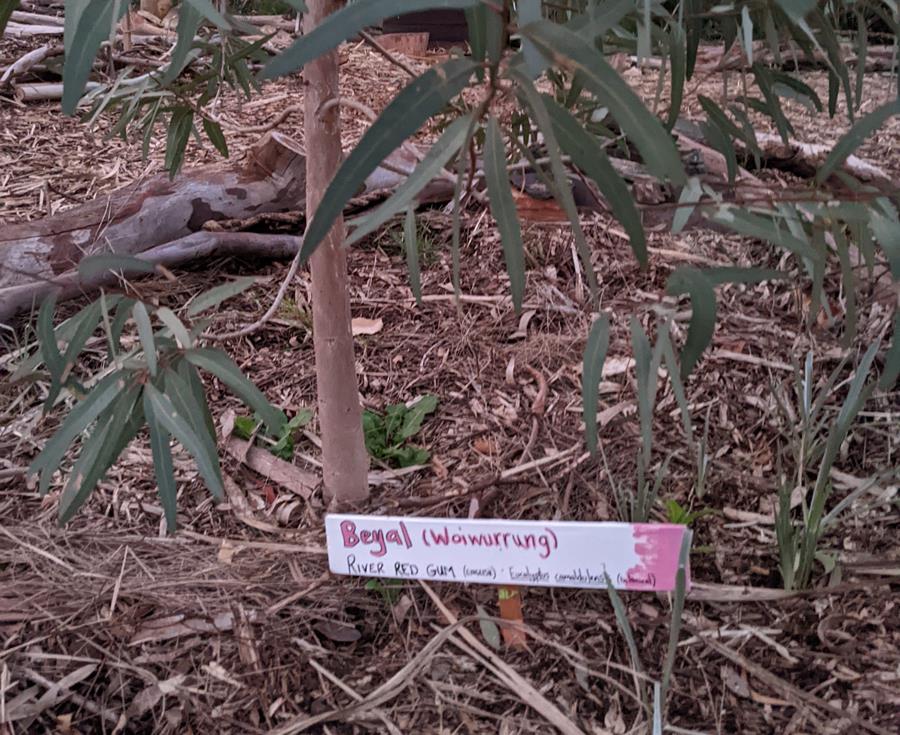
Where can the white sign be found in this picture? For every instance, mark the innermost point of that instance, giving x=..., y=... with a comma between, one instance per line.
x=635, y=556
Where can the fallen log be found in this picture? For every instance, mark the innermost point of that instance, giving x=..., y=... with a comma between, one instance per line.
x=804, y=159
x=170, y=220
x=26, y=61
x=158, y=210
x=18, y=30
x=189, y=248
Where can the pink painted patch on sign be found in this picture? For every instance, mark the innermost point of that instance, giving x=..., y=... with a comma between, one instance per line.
x=658, y=547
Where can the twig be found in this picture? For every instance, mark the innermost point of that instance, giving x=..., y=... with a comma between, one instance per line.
x=76, y=698
x=387, y=54
x=788, y=690
x=25, y=62
x=347, y=689
x=506, y=673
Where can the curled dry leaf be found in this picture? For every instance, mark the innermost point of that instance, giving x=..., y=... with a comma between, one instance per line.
x=362, y=326
x=337, y=632
x=486, y=446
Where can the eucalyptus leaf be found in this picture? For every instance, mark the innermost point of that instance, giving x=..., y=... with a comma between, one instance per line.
x=591, y=375
x=438, y=156
x=169, y=418
x=853, y=138
x=88, y=29
x=145, y=334
x=587, y=153
x=703, y=313
x=347, y=22
x=80, y=417
x=218, y=294
x=220, y=365
x=639, y=124
x=422, y=98
x=411, y=245
x=162, y=465
x=504, y=210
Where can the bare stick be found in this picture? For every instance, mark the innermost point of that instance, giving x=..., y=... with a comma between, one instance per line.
x=387, y=54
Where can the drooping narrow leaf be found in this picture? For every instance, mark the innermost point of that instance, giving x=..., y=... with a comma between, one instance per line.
x=145, y=334
x=591, y=374
x=115, y=428
x=95, y=265
x=495, y=27
x=177, y=138
x=862, y=50
x=411, y=245
x=644, y=26
x=86, y=326
x=681, y=589
x=887, y=232
x=175, y=325
x=6, y=10
x=123, y=313
x=773, y=104
x=830, y=42
x=687, y=202
x=218, y=294
x=89, y=28
x=214, y=132
x=476, y=20
x=418, y=101
x=765, y=228
x=185, y=388
x=504, y=210
x=891, y=370
x=772, y=36
x=188, y=24
x=637, y=122
x=438, y=156
x=162, y=465
x=628, y=633
x=854, y=137
x=528, y=12
x=79, y=418
x=694, y=31
x=600, y=19
x=210, y=12
x=462, y=174
x=848, y=284
x=587, y=153
x=47, y=339
x=347, y=22
x=222, y=366
x=805, y=94
x=677, y=58
x=747, y=33
x=169, y=418
x=703, y=313
x=561, y=188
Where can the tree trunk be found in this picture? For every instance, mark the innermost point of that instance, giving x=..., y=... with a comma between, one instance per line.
x=344, y=458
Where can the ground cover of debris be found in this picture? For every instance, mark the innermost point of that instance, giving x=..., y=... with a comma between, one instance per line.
x=234, y=625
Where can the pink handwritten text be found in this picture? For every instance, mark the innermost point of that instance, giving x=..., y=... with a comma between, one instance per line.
x=377, y=538
x=544, y=543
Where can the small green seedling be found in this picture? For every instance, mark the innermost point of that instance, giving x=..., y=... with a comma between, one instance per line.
x=386, y=436
x=282, y=444
x=677, y=513
x=389, y=589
